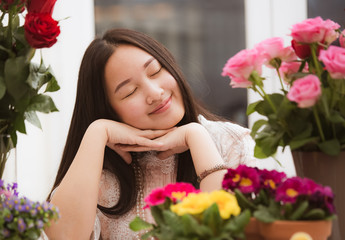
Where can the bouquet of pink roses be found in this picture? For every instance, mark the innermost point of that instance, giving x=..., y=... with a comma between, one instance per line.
x=271, y=196
x=182, y=212
x=309, y=112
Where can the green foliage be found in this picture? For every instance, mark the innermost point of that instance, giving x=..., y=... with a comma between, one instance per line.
x=206, y=226
x=317, y=128
x=23, y=84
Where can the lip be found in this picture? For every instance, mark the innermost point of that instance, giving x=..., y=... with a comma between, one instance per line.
x=165, y=105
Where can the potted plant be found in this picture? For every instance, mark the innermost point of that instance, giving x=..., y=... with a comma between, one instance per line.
x=308, y=113
x=282, y=205
x=182, y=212
x=23, y=83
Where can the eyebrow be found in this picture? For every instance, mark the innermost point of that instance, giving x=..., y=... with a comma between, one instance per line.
x=128, y=80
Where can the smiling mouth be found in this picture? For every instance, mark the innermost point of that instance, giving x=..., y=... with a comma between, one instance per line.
x=162, y=107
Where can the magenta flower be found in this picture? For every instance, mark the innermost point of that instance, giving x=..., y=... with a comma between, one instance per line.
x=178, y=191
x=244, y=178
x=156, y=197
x=271, y=179
x=290, y=189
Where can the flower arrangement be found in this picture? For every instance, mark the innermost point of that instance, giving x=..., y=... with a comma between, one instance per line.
x=21, y=80
x=21, y=218
x=182, y=212
x=271, y=196
x=308, y=113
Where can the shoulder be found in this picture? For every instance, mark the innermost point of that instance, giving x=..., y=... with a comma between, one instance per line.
x=223, y=127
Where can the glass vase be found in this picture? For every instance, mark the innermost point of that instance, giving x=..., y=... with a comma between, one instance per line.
x=8, y=163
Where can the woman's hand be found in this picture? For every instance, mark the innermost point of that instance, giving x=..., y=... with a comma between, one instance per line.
x=123, y=138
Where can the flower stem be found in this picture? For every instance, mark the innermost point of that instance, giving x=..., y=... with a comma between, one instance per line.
x=265, y=96
x=315, y=61
x=280, y=80
x=318, y=123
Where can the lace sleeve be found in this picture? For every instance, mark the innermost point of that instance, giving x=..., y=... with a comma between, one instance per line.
x=234, y=142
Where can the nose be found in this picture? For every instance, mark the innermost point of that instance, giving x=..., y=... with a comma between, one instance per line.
x=154, y=93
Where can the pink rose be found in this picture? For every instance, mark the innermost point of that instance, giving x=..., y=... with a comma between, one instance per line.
x=274, y=48
x=287, y=69
x=315, y=30
x=240, y=67
x=342, y=39
x=305, y=91
x=334, y=60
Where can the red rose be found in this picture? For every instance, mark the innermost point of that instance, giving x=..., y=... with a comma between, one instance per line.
x=40, y=6
x=301, y=50
x=41, y=30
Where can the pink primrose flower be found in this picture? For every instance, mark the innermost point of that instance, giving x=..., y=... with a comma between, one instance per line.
x=305, y=91
x=315, y=30
x=271, y=179
x=156, y=197
x=342, y=39
x=241, y=66
x=178, y=191
x=334, y=60
x=287, y=69
x=244, y=178
x=274, y=48
x=290, y=190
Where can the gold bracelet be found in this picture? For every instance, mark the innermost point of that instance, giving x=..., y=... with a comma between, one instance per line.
x=210, y=171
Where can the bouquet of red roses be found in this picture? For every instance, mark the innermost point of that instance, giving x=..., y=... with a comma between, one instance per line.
x=22, y=81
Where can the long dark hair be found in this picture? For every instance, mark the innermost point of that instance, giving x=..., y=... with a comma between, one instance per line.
x=91, y=104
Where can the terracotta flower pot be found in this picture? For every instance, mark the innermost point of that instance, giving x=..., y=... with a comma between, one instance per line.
x=252, y=230
x=283, y=230
x=329, y=171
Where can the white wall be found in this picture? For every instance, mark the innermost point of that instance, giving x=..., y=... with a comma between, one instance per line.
x=39, y=152
x=266, y=19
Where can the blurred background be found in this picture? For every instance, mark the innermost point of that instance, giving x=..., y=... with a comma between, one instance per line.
x=201, y=34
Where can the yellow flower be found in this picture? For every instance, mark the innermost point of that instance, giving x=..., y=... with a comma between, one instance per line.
x=227, y=203
x=301, y=236
x=194, y=203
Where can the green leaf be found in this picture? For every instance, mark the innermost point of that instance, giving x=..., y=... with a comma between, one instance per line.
x=172, y=220
x=191, y=226
x=315, y=214
x=257, y=125
x=157, y=214
x=33, y=119
x=331, y=147
x=251, y=107
x=212, y=218
x=298, y=213
x=335, y=117
x=243, y=201
x=19, y=123
x=42, y=103
x=258, y=153
x=238, y=223
x=138, y=224
x=52, y=85
x=16, y=72
x=295, y=144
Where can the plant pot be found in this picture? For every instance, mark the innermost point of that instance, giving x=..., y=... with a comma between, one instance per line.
x=330, y=171
x=252, y=230
x=283, y=230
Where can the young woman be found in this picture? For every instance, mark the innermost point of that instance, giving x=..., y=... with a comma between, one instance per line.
x=135, y=127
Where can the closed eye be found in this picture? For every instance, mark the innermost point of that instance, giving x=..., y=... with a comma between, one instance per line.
x=130, y=93
x=156, y=72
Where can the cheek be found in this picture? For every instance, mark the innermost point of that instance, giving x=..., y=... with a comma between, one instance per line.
x=129, y=111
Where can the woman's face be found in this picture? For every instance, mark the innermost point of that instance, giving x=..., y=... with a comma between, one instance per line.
x=141, y=92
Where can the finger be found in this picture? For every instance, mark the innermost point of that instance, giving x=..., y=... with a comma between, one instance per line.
x=135, y=148
x=152, y=134
x=145, y=142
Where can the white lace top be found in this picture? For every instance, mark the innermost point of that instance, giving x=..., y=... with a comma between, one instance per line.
x=234, y=144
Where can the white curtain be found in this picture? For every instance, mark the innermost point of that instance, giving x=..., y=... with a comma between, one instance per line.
x=39, y=152
x=266, y=19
